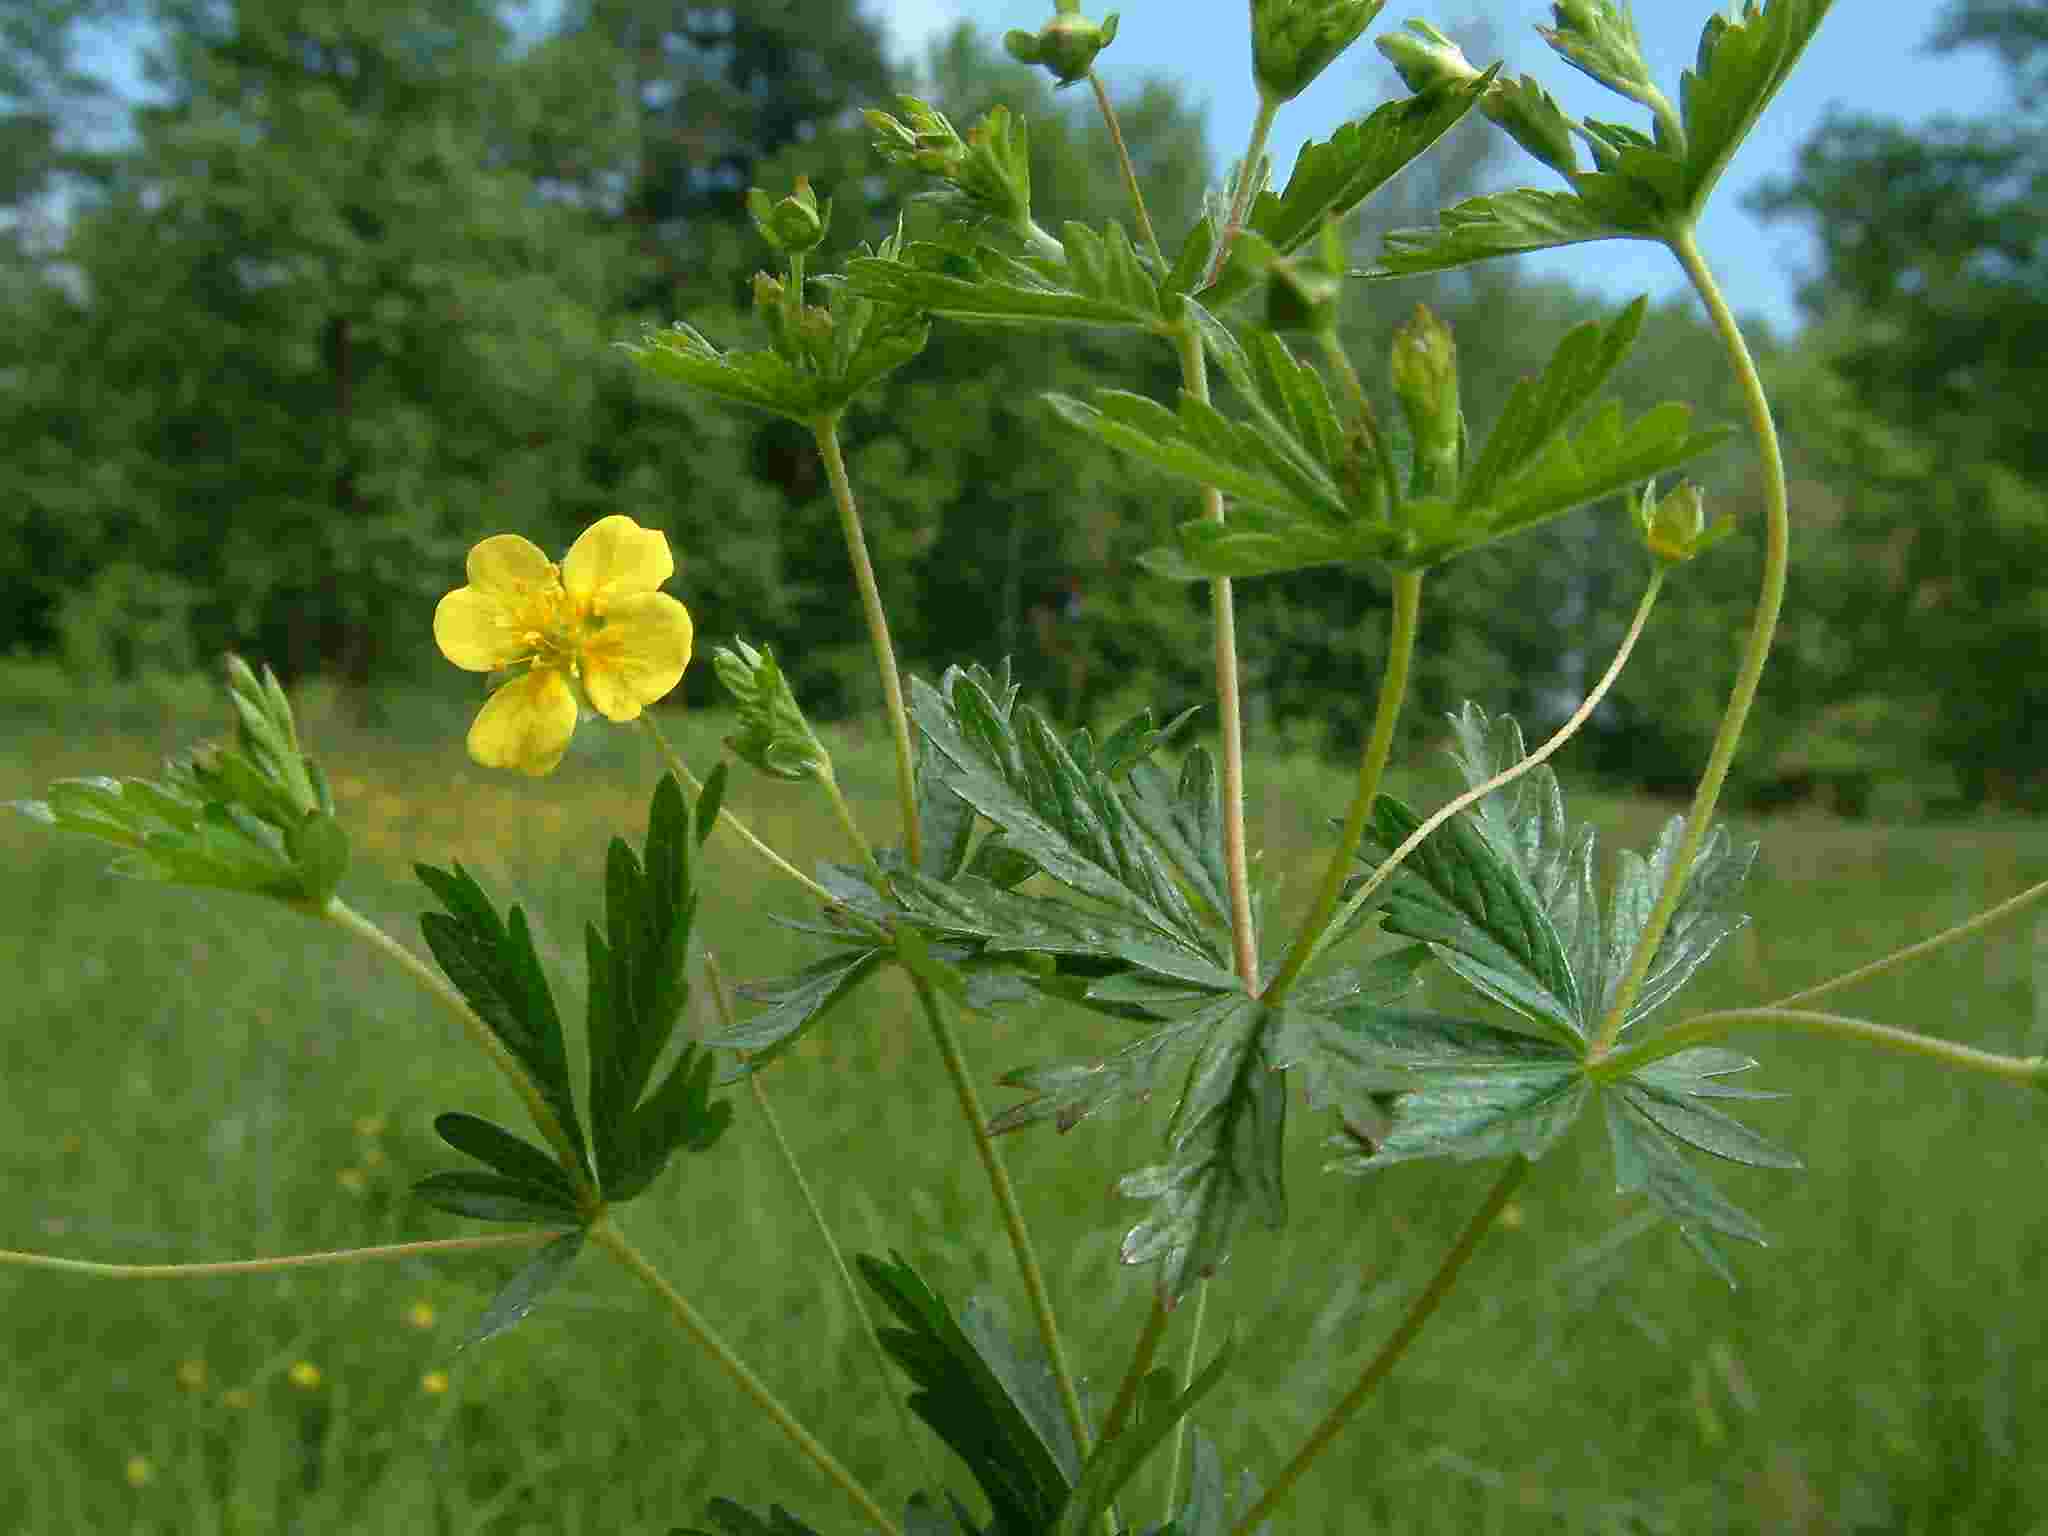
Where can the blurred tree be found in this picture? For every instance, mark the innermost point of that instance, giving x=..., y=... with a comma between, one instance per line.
x=1931, y=309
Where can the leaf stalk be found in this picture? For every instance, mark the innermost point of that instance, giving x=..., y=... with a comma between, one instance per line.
x=326, y=1258
x=1703, y=1028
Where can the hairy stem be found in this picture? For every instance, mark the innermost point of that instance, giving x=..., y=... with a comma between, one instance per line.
x=1703, y=1028
x=731, y=822
x=1246, y=186
x=1418, y=1314
x=826, y=429
x=1777, y=553
x=1194, y=367
x=844, y=813
x=1006, y=1202
x=1506, y=776
x=320, y=1260
x=1963, y=930
x=1123, y=160
x=721, y=998
x=345, y=917
x=1141, y=1363
x=1176, y=1466
x=1372, y=766
x=609, y=1238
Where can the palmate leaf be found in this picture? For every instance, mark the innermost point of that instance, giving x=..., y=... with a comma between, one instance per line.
x=1102, y=281
x=1223, y=1165
x=1645, y=187
x=969, y=1389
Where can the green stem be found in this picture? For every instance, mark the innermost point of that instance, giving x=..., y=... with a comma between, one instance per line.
x=826, y=429
x=847, y=824
x=1006, y=1202
x=1911, y=952
x=1176, y=1468
x=345, y=917
x=731, y=822
x=1246, y=187
x=1706, y=1027
x=1141, y=1363
x=1229, y=705
x=721, y=999
x=1372, y=766
x=1506, y=776
x=608, y=1237
x=1418, y=1314
x=1777, y=552
x=287, y=1261
x=1123, y=159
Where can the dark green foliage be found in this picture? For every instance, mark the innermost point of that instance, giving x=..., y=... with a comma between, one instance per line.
x=1160, y=1407
x=975, y=1393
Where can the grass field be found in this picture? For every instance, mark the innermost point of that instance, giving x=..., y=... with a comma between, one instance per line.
x=192, y=1078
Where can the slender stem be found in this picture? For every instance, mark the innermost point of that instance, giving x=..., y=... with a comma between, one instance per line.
x=1542, y=754
x=1176, y=1467
x=1705, y=1027
x=1372, y=766
x=1246, y=186
x=1141, y=1363
x=851, y=828
x=1229, y=705
x=731, y=822
x=827, y=430
x=1418, y=1314
x=1963, y=930
x=1777, y=552
x=1123, y=159
x=286, y=1261
x=1006, y=1202
x=345, y=917
x=608, y=1237
x=721, y=998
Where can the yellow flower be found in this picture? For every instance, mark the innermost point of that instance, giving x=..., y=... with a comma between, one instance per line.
x=304, y=1375
x=192, y=1375
x=595, y=620
x=352, y=1180
x=139, y=1471
x=236, y=1397
x=434, y=1383
x=420, y=1315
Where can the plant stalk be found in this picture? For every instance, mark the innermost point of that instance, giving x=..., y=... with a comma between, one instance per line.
x=1703, y=1028
x=1123, y=160
x=1777, y=554
x=319, y=1260
x=1247, y=185
x=1418, y=1314
x=1372, y=766
x=1176, y=1468
x=1963, y=930
x=1194, y=367
x=345, y=917
x=731, y=822
x=1141, y=1363
x=1506, y=776
x=1006, y=1202
x=721, y=998
x=826, y=429
x=608, y=1237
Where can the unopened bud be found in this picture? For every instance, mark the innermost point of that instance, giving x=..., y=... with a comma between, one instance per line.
x=1675, y=528
x=1064, y=47
x=1599, y=38
x=1423, y=57
x=1425, y=369
x=1293, y=41
x=793, y=224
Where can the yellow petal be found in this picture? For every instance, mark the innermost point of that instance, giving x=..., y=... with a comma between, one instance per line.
x=480, y=632
x=511, y=567
x=638, y=656
x=613, y=558
x=526, y=724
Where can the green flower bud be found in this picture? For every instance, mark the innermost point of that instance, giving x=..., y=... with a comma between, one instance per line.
x=767, y=292
x=1425, y=368
x=1064, y=47
x=1293, y=41
x=794, y=224
x=773, y=734
x=1599, y=38
x=1423, y=57
x=1675, y=529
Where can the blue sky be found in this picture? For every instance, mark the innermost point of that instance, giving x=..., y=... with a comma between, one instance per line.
x=1863, y=59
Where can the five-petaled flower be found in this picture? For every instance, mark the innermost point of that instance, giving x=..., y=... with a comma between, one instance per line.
x=594, y=622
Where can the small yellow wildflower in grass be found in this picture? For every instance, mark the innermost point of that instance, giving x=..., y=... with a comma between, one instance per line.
x=420, y=1315
x=192, y=1375
x=1511, y=1217
x=594, y=621
x=369, y=1127
x=138, y=1471
x=237, y=1397
x=352, y=1180
x=373, y=1157
x=434, y=1383
x=304, y=1375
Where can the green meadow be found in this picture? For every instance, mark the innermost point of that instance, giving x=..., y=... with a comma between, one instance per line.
x=191, y=1078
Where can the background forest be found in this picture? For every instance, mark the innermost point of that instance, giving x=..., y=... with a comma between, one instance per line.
x=343, y=301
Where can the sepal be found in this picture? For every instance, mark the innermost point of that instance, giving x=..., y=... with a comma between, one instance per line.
x=1064, y=47
x=773, y=735
x=1294, y=41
